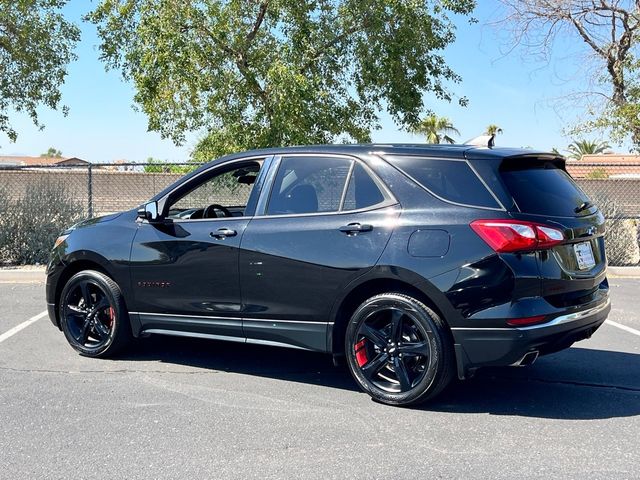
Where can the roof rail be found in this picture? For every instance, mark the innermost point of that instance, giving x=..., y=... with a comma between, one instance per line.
x=482, y=141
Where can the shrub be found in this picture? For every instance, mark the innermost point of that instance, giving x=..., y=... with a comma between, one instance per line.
x=4, y=199
x=4, y=207
x=621, y=238
x=621, y=242
x=30, y=225
x=597, y=174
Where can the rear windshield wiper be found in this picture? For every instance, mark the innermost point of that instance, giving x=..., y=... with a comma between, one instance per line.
x=583, y=206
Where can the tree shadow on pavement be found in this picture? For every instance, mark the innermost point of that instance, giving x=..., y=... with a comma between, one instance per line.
x=575, y=384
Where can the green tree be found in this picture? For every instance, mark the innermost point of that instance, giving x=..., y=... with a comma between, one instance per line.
x=52, y=153
x=155, y=165
x=278, y=72
x=492, y=130
x=578, y=148
x=436, y=129
x=36, y=45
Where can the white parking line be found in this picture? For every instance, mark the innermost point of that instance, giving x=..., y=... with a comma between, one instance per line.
x=26, y=323
x=620, y=326
x=23, y=325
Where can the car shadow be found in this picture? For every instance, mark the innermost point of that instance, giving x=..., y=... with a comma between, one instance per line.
x=279, y=363
x=575, y=384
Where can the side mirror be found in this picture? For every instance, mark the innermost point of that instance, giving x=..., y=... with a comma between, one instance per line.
x=149, y=212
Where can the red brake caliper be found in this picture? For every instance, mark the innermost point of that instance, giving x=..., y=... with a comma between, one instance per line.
x=112, y=316
x=361, y=353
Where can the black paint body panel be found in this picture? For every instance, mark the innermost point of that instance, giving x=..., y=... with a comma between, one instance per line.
x=283, y=280
x=286, y=272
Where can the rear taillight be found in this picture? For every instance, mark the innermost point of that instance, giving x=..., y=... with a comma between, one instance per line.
x=514, y=236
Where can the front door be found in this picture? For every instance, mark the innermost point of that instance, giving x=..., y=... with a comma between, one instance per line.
x=185, y=270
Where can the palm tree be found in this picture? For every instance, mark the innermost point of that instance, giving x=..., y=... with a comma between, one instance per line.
x=493, y=130
x=578, y=148
x=436, y=129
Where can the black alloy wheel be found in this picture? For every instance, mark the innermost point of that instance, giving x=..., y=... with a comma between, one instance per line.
x=92, y=314
x=398, y=349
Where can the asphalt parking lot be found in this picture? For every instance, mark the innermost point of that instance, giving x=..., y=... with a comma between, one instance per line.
x=182, y=408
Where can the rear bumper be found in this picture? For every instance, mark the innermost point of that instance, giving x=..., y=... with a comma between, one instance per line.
x=481, y=347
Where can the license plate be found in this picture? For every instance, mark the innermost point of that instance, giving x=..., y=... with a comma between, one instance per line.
x=584, y=255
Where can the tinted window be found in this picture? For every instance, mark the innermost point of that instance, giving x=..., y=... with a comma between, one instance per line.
x=544, y=189
x=362, y=191
x=308, y=185
x=452, y=180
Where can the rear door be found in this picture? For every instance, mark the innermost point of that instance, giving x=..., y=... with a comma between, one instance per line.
x=326, y=222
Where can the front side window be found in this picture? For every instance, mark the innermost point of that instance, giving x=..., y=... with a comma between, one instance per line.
x=222, y=194
x=308, y=185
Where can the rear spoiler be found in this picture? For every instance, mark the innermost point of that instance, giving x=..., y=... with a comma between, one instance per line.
x=501, y=156
x=531, y=160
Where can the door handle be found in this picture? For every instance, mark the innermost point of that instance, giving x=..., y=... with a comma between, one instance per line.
x=353, y=228
x=223, y=233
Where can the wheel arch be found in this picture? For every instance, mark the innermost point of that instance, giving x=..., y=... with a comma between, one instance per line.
x=383, y=280
x=77, y=263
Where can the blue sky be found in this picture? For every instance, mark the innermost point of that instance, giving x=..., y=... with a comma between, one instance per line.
x=511, y=91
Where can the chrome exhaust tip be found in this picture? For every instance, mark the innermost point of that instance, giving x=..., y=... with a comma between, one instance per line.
x=527, y=360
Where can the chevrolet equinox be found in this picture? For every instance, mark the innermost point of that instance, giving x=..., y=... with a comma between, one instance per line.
x=414, y=262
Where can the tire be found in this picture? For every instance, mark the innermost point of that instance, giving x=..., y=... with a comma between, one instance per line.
x=93, y=315
x=399, y=350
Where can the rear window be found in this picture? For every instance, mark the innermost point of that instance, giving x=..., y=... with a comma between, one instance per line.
x=451, y=180
x=542, y=188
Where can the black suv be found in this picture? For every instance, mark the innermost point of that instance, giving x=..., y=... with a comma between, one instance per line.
x=413, y=261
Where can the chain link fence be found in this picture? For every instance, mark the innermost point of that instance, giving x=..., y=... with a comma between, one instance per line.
x=38, y=202
x=99, y=188
x=615, y=188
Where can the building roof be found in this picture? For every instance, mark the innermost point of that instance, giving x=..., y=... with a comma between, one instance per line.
x=605, y=166
x=37, y=161
x=611, y=158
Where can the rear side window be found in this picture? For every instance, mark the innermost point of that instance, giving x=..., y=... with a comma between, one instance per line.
x=541, y=188
x=451, y=180
x=362, y=191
